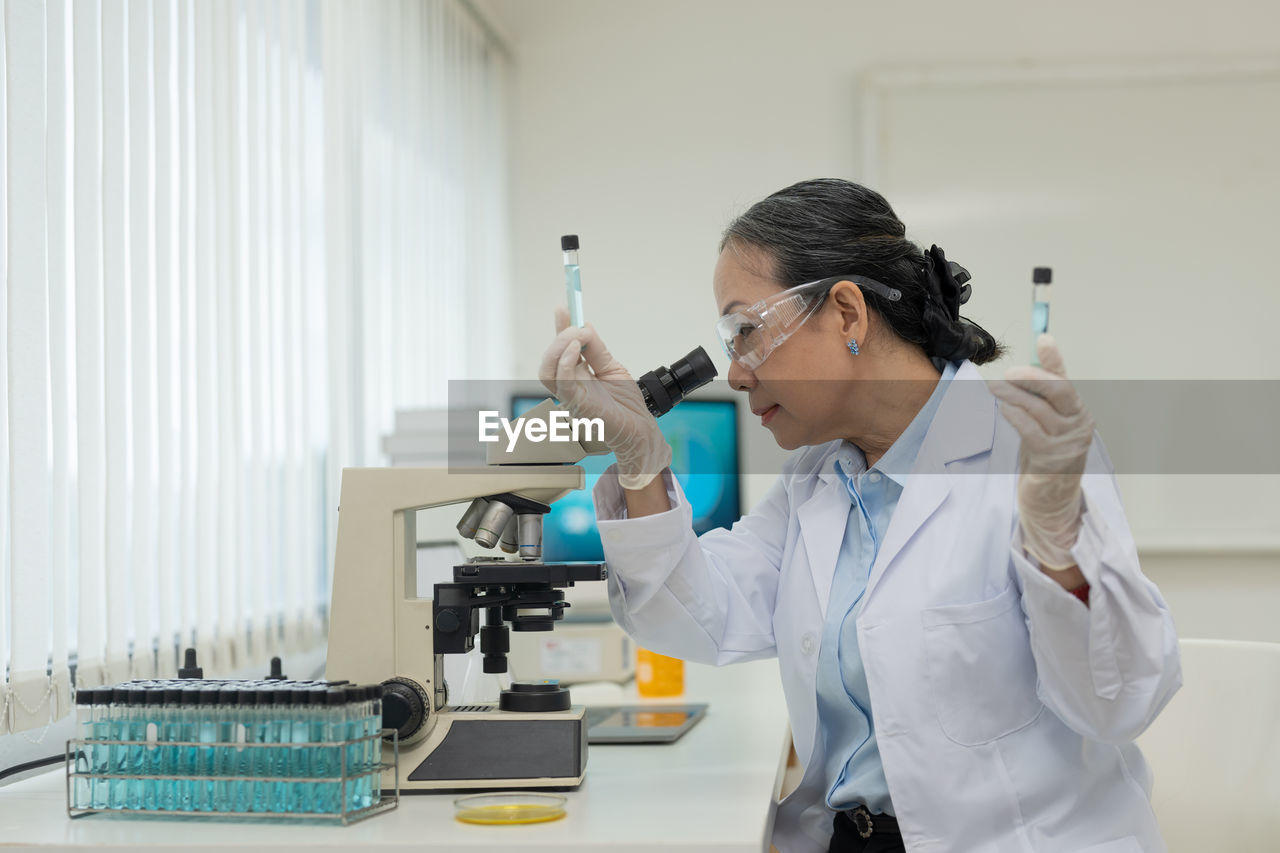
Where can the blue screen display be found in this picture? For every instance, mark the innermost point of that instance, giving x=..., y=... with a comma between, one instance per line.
x=703, y=435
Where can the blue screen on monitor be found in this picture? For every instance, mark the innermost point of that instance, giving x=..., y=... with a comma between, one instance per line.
x=703, y=435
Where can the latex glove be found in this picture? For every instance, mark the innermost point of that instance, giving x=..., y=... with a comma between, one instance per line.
x=1056, y=429
x=590, y=383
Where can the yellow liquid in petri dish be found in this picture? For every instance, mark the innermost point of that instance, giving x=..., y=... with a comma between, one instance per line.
x=510, y=813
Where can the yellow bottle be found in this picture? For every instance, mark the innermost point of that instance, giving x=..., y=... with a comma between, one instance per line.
x=658, y=675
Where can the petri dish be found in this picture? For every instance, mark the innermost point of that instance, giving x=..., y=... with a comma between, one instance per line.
x=508, y=809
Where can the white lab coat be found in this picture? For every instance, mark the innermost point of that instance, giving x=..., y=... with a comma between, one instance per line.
x=1005, y=711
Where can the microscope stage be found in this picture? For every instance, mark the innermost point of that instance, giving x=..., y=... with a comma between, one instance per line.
x=516, y=571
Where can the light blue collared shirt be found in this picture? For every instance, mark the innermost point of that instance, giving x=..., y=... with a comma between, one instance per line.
x=854, y=772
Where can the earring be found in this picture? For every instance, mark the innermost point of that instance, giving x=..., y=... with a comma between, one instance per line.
x=853, y=346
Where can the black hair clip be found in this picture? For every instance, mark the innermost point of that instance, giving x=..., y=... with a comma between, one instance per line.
x=947, y=281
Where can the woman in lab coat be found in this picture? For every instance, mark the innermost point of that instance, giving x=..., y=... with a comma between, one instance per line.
x=944, y=571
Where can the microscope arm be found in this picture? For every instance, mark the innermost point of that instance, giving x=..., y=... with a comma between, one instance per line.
x=378, y=627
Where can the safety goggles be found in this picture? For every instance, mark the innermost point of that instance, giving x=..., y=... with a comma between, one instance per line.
x=748, y=336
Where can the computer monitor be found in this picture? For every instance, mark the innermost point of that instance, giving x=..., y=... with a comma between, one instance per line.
x=703, y=435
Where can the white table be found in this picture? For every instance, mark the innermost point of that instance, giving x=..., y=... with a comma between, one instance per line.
x=713, y=790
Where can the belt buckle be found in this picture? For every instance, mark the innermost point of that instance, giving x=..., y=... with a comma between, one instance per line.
x=862, y=822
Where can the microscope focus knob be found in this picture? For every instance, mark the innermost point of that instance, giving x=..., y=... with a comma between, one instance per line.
x=448, y=621
x=405, y=708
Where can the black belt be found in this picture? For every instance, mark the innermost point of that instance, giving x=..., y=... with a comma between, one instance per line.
x=867, y=825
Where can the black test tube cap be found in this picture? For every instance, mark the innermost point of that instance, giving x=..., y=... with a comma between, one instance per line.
x=189, y=669
x=569, y=243
x=277, y=673
x=1042, y=275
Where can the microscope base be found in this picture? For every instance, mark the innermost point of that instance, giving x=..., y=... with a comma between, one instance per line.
x=481, y=747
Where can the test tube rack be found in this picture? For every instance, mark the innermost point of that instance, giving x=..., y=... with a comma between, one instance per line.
x=198, y=763
x=340, y=790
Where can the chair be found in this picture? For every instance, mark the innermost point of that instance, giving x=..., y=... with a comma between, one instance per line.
x=1215, y=750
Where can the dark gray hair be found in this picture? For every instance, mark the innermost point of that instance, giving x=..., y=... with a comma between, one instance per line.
x=827, y=227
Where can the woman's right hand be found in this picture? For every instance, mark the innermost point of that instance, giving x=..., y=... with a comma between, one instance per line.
x=578, y=370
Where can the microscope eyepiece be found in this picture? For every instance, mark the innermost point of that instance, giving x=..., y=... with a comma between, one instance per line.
x=664, y=387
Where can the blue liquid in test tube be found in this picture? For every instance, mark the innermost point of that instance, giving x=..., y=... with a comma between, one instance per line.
x=572, y=278
x=334, y=727
x=171, y=728
x=353, y=786
x=136, y=752
x=118, y=756
x=101, y=722
x=206, y=726
x=85, y=760
x=279, y=731
x=1041, y=279
x=255, y=760
x=224, y=758
x=153, y=765
x=375, y=747
x=188, y=731
x=299, y=757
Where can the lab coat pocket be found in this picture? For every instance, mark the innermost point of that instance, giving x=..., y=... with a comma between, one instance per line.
x=981, y=672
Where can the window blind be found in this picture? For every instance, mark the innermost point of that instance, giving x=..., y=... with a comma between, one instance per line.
x=236, y=236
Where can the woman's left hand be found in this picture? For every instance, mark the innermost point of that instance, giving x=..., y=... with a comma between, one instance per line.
x=1056, y=429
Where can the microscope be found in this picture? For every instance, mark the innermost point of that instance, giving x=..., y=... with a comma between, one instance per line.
x=382, y=631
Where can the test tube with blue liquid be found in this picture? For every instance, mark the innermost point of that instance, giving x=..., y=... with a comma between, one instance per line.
x=226, y=721
x=332, y=757
x=207, y=733
x=152, y=789
x=299, y=793
x=100, y=761
x=370, y=750
x=375, y=746
x=118, y=756
x=135, y=731
x=251, y=796
x=353, y=729
x=188, y=731
x=309, y=799
x=87, y=711
x=572, y=278
x=1041, y=279
x=171, y=732
x=279, y=731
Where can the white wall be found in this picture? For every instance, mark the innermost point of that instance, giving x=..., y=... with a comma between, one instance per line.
x=645, y=127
